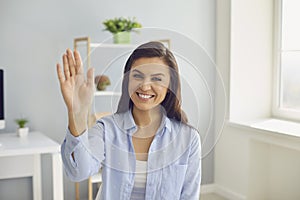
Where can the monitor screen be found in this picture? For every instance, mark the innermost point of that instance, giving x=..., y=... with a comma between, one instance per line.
x=2, y=124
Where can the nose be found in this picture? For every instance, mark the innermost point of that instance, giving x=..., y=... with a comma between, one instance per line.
x=146, y=85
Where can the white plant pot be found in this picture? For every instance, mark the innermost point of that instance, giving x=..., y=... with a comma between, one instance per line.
x=23, y=132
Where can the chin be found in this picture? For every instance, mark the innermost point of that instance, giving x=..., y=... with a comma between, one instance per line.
x=143, y=107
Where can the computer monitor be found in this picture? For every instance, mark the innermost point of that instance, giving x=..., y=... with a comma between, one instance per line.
x=2, y=113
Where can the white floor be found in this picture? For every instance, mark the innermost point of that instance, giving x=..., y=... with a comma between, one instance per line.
x=211, y=196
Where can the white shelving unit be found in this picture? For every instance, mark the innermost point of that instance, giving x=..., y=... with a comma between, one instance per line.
x=107, y=93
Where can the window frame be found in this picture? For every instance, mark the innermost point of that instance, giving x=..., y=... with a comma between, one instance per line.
x=277, y=111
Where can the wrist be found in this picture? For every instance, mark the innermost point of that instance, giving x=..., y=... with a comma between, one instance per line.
x=77, y=123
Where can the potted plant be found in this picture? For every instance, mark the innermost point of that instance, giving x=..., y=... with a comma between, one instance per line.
x=22, y=130
x=121, y=28
x=101, y=82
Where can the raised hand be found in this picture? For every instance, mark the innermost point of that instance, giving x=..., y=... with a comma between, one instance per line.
x=76, y=90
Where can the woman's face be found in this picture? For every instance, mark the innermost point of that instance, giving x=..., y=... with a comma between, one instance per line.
x=149, y=79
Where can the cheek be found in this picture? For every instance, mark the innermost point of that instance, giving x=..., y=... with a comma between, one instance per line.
x=132, y=86
x=163, y=87
x=162, y=90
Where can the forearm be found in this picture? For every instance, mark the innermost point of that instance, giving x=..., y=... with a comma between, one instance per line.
x=80, y=159
x=77, y=123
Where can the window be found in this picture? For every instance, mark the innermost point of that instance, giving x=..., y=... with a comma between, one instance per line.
x=287, y=59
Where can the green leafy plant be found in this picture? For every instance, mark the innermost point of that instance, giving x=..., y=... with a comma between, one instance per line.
x=121, y=24
x=21, y=122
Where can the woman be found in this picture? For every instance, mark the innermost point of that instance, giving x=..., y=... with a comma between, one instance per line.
x=146, y=149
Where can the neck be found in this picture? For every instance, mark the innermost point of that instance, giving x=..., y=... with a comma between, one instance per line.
x=146, y=118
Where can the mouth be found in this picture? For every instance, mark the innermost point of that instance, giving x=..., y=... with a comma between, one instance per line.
x=144, y=96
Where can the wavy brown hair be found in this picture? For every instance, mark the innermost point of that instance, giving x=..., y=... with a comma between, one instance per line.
x=172, y=101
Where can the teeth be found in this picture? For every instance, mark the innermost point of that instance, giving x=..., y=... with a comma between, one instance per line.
x=144, y=96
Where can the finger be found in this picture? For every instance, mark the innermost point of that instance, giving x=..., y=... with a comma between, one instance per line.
x=78, y=62
x=60, y=75
x=71, y=62
x=66, y=67
x=90, y=77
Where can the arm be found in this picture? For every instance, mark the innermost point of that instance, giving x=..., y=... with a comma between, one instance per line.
x=191, y=186
x=80, y=156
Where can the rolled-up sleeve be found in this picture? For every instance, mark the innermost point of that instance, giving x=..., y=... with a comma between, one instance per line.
x=191, y=187
x=87, y=150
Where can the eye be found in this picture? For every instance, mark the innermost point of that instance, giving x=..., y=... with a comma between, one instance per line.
x=137, y=76
x=156, y=79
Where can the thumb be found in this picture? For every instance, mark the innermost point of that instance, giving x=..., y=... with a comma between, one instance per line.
x=90, y=76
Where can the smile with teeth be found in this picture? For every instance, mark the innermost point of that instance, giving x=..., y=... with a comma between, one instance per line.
x=144, y=96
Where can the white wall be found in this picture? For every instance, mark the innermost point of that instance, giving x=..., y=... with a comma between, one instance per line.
x=251, y=54
x=34, y=34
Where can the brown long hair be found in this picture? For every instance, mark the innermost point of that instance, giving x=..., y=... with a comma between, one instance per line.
x=172, y=101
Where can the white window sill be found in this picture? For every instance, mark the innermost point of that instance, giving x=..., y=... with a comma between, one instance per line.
x=272, y=131
x=279, y=126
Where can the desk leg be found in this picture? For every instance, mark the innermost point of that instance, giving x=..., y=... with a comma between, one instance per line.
x=36, y=179
x=57, y=174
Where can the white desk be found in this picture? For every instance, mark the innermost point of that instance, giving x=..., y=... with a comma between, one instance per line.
x=21, y=157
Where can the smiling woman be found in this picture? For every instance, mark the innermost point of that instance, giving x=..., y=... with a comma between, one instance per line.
x=146, y=148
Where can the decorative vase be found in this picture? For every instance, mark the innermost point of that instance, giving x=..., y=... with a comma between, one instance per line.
x=122, y=37
x=23, y=132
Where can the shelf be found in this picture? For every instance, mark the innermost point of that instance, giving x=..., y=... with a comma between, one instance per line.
x=106, y=45
x=103, y=45
x=107, y=93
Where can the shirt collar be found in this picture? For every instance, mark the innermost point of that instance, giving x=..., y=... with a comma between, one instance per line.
x=128, y=120
x=130, y=126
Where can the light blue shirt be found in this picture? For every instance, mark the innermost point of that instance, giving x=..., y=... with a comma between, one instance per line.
x=174, y=158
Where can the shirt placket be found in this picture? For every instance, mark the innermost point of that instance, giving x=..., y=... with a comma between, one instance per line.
x=129, y=185
x=151, y=169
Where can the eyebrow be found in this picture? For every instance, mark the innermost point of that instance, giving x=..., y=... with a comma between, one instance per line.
x=157, y=74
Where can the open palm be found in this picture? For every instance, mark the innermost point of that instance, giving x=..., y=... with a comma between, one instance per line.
x=76, y=90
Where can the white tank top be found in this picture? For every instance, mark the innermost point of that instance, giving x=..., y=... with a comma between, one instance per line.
x=140, y=178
